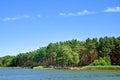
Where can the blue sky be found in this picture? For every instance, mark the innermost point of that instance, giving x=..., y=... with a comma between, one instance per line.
x=26, y=25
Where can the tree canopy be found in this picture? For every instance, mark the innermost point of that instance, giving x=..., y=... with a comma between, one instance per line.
x=102, y=51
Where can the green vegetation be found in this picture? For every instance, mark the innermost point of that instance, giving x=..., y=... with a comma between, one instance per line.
x=101, y=62
x=73, y=53
x=6, y=61
x=101, y=68
x=43, y=67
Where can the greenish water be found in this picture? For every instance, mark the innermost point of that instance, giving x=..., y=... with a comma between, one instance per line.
x=29, y=74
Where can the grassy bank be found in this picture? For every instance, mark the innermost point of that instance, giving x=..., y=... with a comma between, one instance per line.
x=81, y=68
x=100, y=68
x=11, y=67
x=73, y=68
x=43, y=67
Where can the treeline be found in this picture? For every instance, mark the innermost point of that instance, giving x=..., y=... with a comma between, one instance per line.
x=102, y=51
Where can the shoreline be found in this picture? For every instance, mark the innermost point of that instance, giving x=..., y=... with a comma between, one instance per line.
x=81, y=68
x=69, y=68
x=100, y=68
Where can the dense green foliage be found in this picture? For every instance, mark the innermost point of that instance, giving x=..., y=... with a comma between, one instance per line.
x=102, y=51
x=101, y=62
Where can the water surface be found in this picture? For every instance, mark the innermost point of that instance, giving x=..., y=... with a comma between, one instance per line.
x=30, y=74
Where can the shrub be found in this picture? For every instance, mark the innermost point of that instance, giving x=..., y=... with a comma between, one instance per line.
x=101, y=62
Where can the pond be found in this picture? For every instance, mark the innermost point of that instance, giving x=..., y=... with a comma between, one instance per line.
x=30, y=74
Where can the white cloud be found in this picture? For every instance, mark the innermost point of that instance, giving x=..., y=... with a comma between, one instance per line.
x=84, y=12
x=39, y=16
x=10, y=18
x=112, y=9
x=16, y=18
x=62, y=14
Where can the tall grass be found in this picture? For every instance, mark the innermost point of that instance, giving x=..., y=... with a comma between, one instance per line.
x=101, y=68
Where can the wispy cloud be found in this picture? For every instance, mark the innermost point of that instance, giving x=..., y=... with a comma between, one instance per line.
x=38, y=16
x=16, y=18
x=112, y=9
x=84, y=12
x=62, y=14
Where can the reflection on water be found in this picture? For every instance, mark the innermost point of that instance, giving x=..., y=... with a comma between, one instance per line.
x=29, y=74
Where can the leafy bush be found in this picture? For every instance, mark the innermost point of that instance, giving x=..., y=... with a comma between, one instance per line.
x=101, y=62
